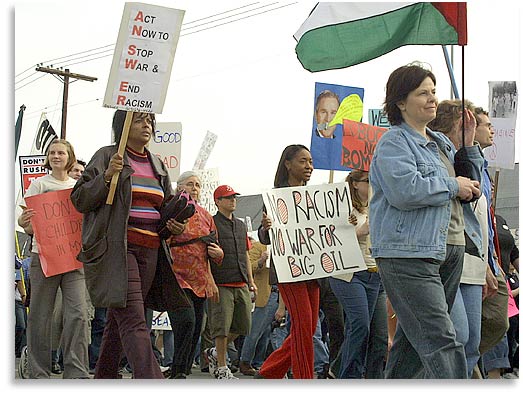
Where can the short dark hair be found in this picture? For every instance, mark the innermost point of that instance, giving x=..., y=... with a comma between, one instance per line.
x=401, y=82
x=281, y=178
x=81, y=162
x=119, y=120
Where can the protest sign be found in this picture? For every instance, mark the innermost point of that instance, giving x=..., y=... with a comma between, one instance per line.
x=161, y=321
x=210, y=181
x=503, y=97
x=205, y=151
x=143, y=58
x=359, y=141
x=57, y=226
x=378, y=118
x=167, y=145
x=310, y=234
x=332, y=104
x=31, y=167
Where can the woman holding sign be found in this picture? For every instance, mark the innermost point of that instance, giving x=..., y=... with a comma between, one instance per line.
x=121, y=249
x=417, y=227
x=357, y=292
x=60, y=160
x=302, y=299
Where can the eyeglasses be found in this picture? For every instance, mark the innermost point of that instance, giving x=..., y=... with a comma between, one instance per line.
x=233, y=197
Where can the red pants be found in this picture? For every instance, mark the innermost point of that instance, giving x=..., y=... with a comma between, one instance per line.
x=302, y=300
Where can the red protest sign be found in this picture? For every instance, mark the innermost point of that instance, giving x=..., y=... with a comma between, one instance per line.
x=57, y=226
x=358, y=143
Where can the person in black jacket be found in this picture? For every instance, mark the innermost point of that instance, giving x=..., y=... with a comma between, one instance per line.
x=231, y=315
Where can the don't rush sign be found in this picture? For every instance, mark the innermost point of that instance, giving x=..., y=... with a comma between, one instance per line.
x=143, y=58
x=311, y=236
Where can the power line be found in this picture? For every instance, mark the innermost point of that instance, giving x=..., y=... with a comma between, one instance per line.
x=230, y=16
x=181, y=35
x=239, y=19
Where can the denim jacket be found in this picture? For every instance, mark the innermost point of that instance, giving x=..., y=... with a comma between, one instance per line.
x=410, y=208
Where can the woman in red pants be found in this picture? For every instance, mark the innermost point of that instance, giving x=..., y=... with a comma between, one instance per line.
x=302, y=299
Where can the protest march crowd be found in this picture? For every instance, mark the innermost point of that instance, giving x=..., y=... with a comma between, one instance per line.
x=435, y=298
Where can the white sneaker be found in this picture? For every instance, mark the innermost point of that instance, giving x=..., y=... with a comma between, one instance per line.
x=212, y=360
x=23, y=366
x=224, y=373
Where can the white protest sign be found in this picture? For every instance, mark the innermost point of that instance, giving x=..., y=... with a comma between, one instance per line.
x=167, y=145
x=205, y=151
x=503, y=98
x=160, y=321
x=310, y=235
x=210, y=181
x=143, y=58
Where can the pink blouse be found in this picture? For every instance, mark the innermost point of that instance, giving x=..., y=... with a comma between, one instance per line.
x=190, y=262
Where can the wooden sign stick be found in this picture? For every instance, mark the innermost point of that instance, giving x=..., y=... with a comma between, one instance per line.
x=121, y=151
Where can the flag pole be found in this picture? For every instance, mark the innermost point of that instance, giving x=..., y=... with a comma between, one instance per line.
x=463, y=94
x=454, y=86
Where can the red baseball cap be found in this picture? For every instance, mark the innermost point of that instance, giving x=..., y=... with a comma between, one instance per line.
x=224, y=191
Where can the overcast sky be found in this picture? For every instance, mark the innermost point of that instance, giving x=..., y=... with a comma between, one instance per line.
x=240, y=80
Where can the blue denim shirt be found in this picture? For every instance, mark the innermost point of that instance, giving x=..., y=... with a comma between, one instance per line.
x=409, y=212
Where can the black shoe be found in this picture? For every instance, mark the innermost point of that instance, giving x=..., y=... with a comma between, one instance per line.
x=179, y=375
x=55, y=369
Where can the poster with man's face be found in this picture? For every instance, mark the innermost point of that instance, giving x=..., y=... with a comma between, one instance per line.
x=332, y=104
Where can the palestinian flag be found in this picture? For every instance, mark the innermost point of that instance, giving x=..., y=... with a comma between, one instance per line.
x=338, y=35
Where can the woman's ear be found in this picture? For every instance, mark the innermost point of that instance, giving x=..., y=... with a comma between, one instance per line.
x=401, y=105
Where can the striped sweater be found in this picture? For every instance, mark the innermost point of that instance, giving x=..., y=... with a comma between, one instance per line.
x=147, y=198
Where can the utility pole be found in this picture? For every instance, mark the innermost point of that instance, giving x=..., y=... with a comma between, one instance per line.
x=64, y=75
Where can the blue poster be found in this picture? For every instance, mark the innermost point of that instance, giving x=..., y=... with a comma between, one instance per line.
x=332, y=104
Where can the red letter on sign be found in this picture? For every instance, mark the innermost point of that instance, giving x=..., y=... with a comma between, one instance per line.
x=137, y=30
x=123, y=86
x=139, y=16
x=120, y=100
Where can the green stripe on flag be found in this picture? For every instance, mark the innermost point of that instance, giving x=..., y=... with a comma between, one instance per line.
x=346, y=44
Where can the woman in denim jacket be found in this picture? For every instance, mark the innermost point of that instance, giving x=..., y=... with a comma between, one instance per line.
x=418, y=220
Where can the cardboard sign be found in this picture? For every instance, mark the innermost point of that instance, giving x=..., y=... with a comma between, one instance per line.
x=167, y=145
x=359, y=142
x=57, y=226
x=31, y=167
x=311, y=236
x=332, y=104
x=143, y=58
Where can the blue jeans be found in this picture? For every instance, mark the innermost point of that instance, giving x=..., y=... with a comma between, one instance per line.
x=379, y=338
x=168, y=348
x=422, y=292
x=466, y=316
x=321, y=351
x=262, y=318
x=358, y=299
x=97, y=331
